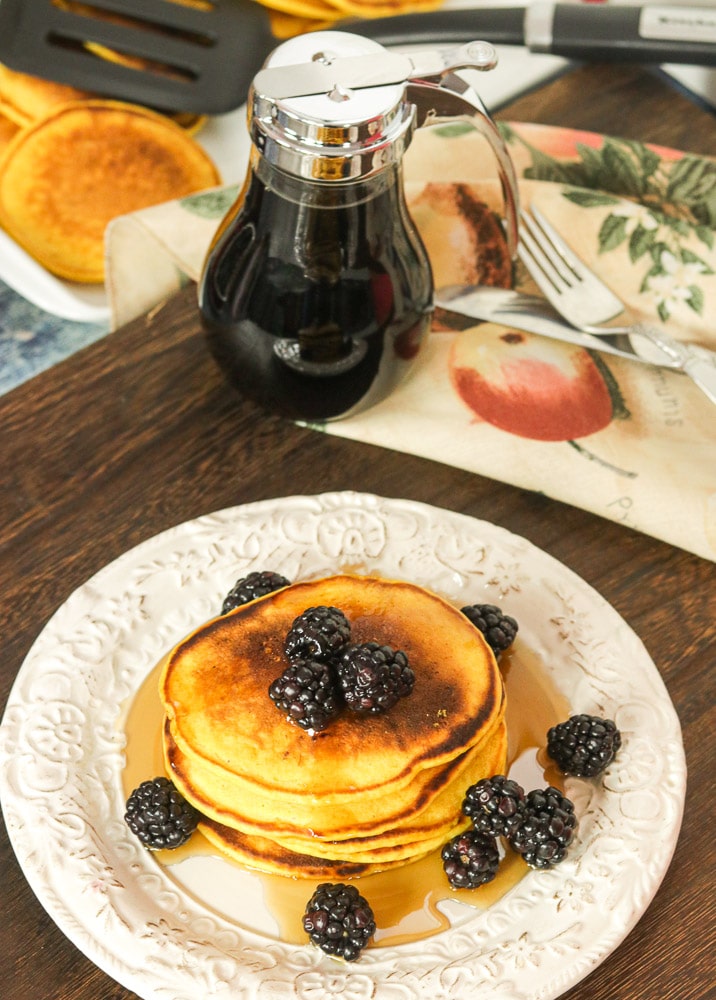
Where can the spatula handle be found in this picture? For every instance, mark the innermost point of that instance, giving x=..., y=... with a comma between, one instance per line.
x=638, y=34
x=657, y=34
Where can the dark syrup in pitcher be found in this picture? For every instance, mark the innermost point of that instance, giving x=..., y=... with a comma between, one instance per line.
x=315, y=296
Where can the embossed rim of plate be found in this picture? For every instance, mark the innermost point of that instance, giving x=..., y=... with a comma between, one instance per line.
x=61, y=760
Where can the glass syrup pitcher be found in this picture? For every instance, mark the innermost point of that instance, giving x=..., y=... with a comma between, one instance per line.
x=316, y=292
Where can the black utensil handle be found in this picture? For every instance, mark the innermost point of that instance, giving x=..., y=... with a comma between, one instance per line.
x=658, y=34
x=648, y=34
x=501, y=26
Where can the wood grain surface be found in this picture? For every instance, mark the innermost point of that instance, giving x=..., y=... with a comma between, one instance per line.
x=138, y=432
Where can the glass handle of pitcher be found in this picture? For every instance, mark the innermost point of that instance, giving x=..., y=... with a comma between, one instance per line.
x=450, y=98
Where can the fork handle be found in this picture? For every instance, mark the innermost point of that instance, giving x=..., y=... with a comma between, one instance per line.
x=696, y=362
x=703, y=374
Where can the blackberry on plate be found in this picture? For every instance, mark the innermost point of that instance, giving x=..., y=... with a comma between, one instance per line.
x=584, y=745
x=373, y=678
x=317, y=632
x=546, y=828
x=495, y=805
x=339, y=920
x=248, y=588
x=470, y=859
x=306, y=692
x=499, y=630
x=159, y=815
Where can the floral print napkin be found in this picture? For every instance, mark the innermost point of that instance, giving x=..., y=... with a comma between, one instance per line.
x=633, y=443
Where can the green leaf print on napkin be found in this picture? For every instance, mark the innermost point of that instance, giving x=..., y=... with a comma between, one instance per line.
x=211, y=204
x=671, y=269
x=673, y=204
x=684, y=188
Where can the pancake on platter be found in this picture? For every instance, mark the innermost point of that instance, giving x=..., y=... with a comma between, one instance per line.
x=13, y=114
x=215, y=682
x=8, y=129
x=427, y=803
x=368, y=790
x=414, y=837
x=65, y=177
x=34, y=97
x=332, y=10
x=267, y=856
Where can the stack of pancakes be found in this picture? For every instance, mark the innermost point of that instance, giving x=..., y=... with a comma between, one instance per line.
x=369, y=792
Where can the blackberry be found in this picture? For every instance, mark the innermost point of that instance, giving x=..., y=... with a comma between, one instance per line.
x=583, y=745
x=546, y=828
x=247, y=588
x=339, y=920
x=495, y=805
x=159, y=815
x=499, y=630
x=318, y=633
x=306, y=692
x=470, y=859
x=373, y=678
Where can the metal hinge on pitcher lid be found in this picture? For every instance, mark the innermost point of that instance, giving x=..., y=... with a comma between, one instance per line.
x=334, y=76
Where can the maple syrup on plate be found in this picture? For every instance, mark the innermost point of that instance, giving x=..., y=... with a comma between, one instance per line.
x=410, y=902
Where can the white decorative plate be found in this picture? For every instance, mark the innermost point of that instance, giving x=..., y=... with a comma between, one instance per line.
x=61, y=760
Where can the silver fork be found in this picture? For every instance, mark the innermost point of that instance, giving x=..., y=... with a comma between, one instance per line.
x=589, y=305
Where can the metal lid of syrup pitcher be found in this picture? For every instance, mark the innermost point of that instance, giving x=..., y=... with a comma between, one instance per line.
x=332, y=106
x=310, y=122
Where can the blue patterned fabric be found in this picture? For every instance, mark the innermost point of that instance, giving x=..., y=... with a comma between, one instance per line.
x=32, y=340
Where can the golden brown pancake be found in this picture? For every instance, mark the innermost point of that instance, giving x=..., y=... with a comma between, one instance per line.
x=64, y=178
x=426, y=803
x=241, y=804
x=413, y=835
x=214, y=689
x=13, y=114
x=268, y=856
x=369, y=790
x=8, y=130
x=34, y=97
x=306, y=859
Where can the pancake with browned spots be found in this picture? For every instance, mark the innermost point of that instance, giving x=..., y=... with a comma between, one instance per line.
x=64, y=178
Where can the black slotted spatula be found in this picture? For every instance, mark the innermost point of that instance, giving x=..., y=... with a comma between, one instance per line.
x=162, y=53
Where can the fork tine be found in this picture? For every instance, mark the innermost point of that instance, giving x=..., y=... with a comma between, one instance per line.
x=537, y=264
x=543, y=259
x=547, y=255
x=538, y=261
x=556, y=241
x=575, y=291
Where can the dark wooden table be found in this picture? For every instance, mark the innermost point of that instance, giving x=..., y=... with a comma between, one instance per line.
x=138, y=433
